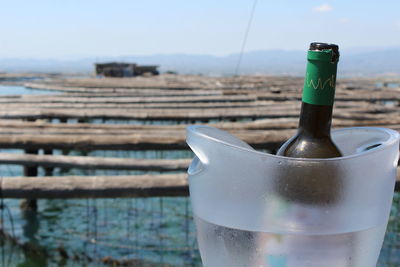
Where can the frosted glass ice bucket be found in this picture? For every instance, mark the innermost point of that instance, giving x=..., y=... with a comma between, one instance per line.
x=260, y=210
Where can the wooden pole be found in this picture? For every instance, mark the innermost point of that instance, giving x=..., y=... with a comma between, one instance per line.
x=64, y=150
x=95, y=186
x=30, y=203
x=100, y=186
x=48, y=170
x=86, y=162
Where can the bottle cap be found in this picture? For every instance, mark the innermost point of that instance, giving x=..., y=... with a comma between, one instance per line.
x=318, y=46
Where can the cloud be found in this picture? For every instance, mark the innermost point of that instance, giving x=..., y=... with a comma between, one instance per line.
x=323, y=8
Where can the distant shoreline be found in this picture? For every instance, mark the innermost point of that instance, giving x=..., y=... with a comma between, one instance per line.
x=375, y=62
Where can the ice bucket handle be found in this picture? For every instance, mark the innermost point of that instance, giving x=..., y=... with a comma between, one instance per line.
x=205, y=143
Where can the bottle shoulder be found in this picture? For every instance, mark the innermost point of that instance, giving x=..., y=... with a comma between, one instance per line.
x=301, y=146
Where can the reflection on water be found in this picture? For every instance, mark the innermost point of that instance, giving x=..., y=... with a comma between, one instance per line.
x=154, y=230
x=21, y=90
x=387, y=85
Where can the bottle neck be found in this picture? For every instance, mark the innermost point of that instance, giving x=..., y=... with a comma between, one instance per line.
x=318, y=94
x=315, y=120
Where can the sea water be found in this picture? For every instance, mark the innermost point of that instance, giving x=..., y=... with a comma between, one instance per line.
x=221, y=246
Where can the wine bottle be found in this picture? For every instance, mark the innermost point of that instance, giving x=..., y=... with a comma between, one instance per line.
x=313, y=138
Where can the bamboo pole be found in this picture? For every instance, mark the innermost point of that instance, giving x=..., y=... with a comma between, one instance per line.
x=131, y=99
x=366, y=96
x=135, y=141
x=30, y=204
x=95, y=186
x=86, y=162
x=193, y=81
x=139, y=140
x=363, y=113
x=100, y=186
x=23, y=127
x=267, y=104
x=123, y=91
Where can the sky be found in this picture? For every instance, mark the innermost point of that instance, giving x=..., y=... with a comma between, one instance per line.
x=76, y=29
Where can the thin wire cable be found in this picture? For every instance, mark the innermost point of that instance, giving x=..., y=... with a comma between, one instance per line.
x=95, y=235
x=246, y=34
x=12, y=233
x=3, y=207
x=87, y=240
x=3, y=260
x=160, y=233
x=10, y=218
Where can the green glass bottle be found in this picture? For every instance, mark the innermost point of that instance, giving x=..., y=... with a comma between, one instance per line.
x=313, y=139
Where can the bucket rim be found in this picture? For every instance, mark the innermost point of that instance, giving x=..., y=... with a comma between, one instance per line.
x=392, y=137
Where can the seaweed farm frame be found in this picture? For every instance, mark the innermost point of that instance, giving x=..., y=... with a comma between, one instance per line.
x=93, y=170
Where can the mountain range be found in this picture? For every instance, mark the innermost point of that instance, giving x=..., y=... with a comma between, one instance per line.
x=354, y=62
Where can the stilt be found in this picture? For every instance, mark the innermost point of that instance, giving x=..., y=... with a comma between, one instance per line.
x=48, y=170
x=30, y=171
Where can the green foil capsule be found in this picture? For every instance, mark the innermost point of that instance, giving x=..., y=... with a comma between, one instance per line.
x=320, y=78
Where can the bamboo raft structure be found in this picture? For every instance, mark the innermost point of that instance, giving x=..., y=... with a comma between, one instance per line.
x=151, y=114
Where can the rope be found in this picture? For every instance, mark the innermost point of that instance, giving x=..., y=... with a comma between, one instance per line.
x=3, y=207
x=2, y=222
x=245, y=37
